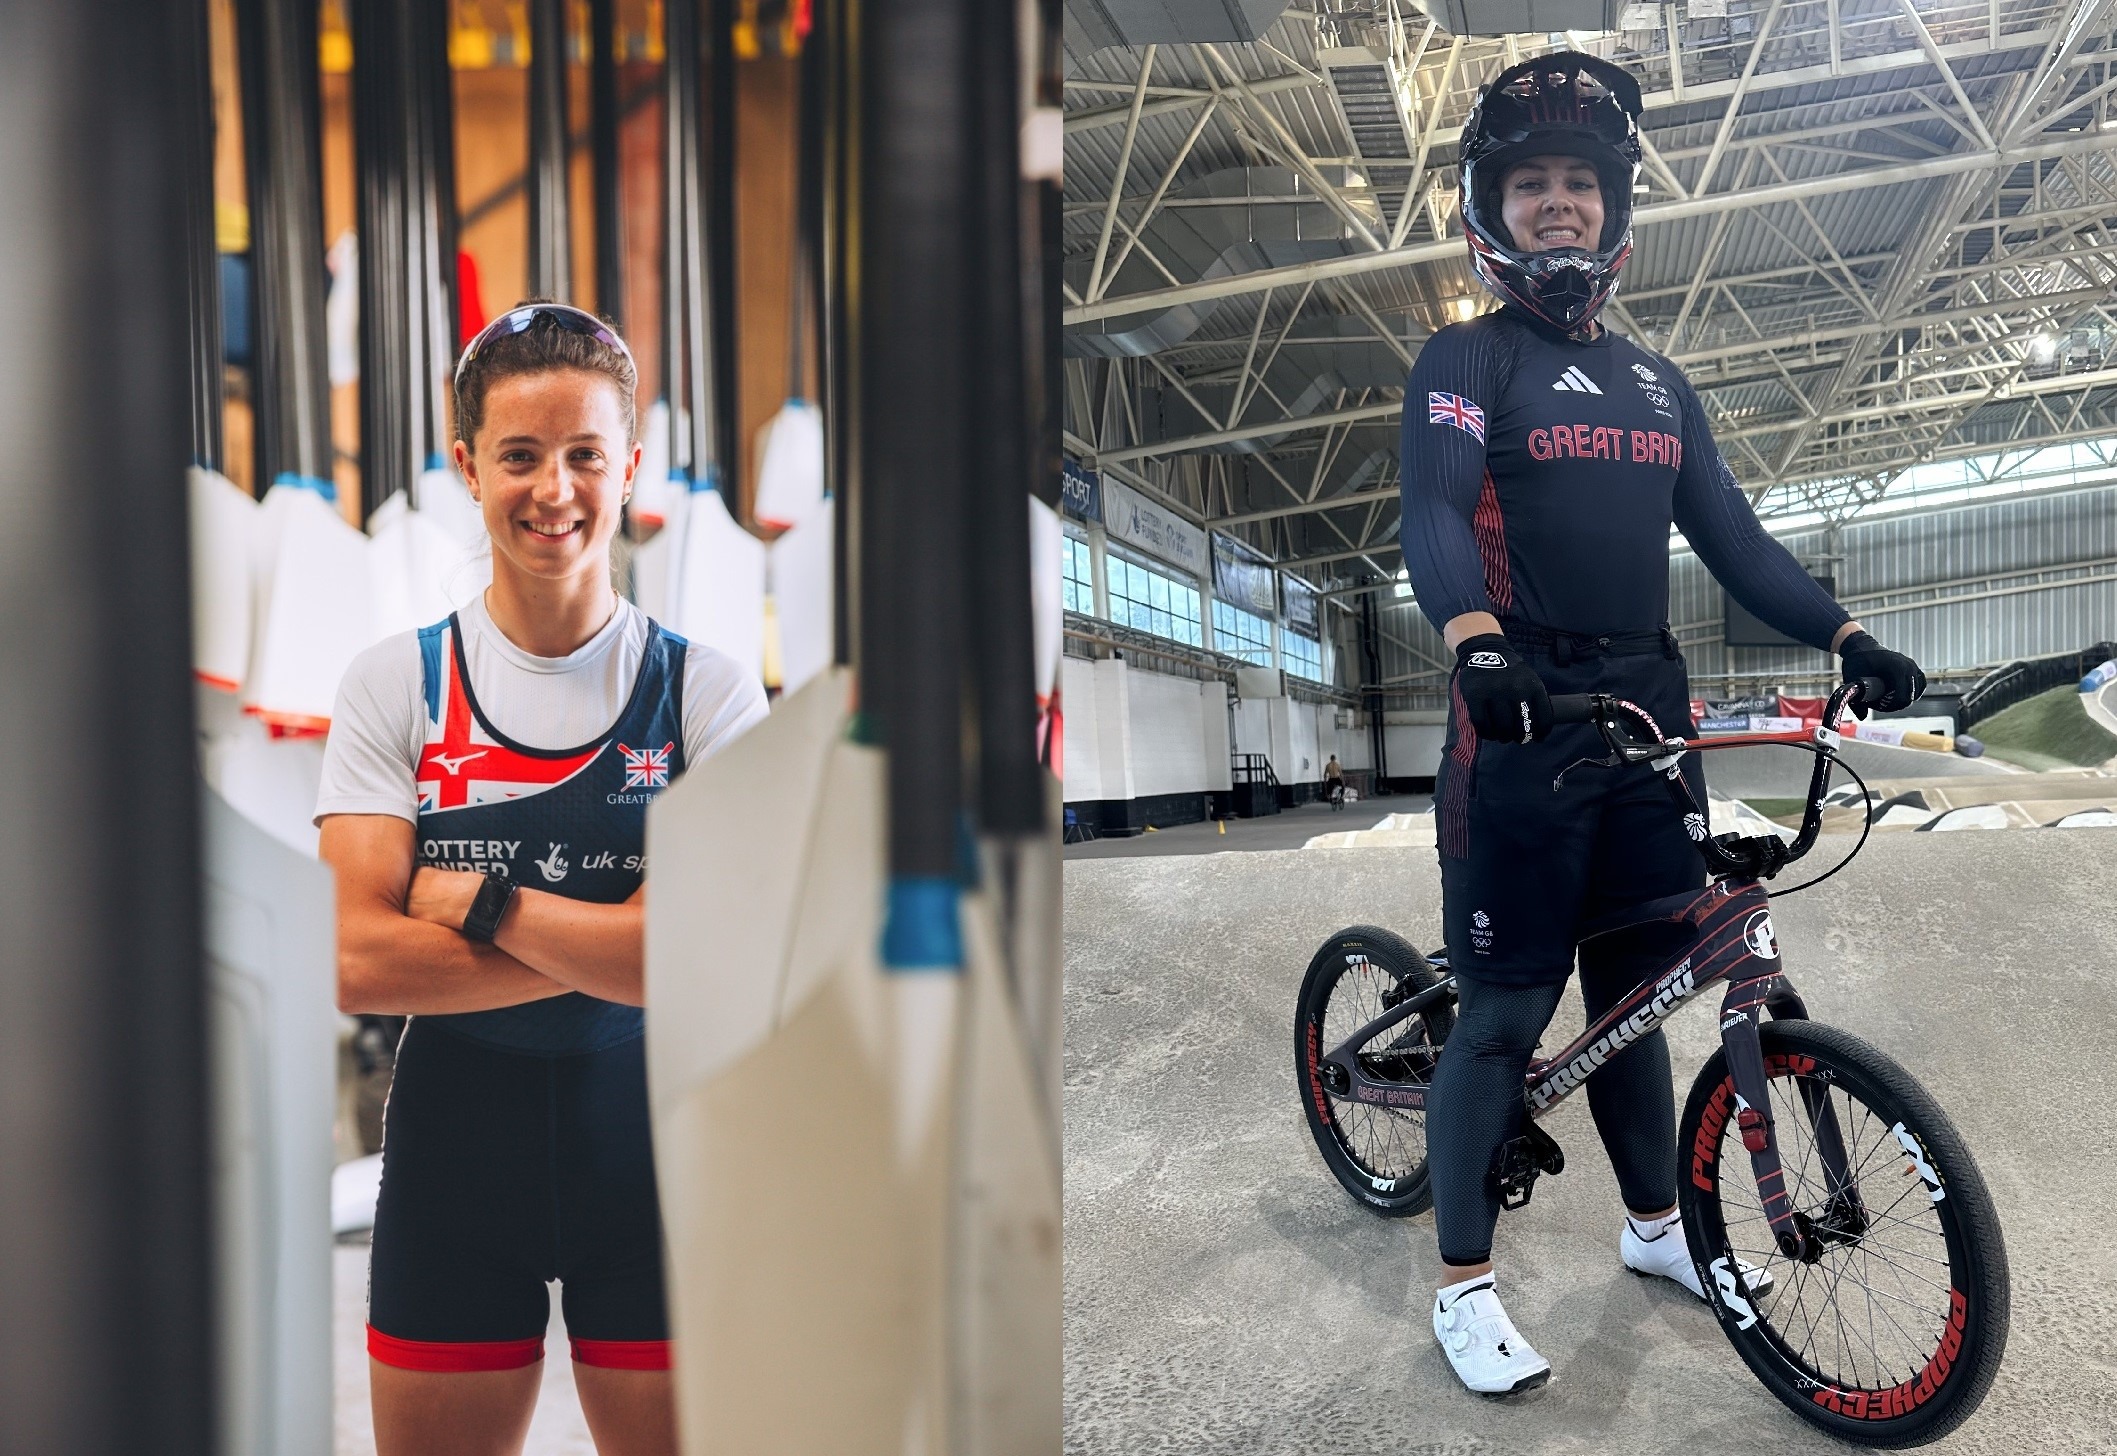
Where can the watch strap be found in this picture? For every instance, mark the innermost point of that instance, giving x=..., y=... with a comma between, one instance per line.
x=483, y=921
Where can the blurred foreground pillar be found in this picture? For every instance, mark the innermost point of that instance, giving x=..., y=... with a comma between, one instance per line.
x=103, y=1226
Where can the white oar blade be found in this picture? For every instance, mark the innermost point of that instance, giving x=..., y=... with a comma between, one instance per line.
x=790, y=464
x=719, y=587
x=223, y=523
x=801, y=580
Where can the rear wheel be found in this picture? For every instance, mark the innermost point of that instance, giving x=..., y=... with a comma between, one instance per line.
x=1377, y=1153
x=1890, y=1332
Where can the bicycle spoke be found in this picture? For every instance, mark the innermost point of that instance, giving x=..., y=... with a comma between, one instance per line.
x=1870, y=1312
x=1386, y=1142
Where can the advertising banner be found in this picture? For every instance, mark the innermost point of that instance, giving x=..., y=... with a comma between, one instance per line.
x=1154, y=529
x=1764, y=704
x=1242, y=578
x=1081, y=491
x=1303, y=607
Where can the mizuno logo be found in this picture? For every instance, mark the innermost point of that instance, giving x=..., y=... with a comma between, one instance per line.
x=454, y=766
x=1576, y=381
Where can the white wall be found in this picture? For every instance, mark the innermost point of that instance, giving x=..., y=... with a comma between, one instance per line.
x=1352, y=749
x=1131, y=733
x=1167, y=733
x=1413, y=749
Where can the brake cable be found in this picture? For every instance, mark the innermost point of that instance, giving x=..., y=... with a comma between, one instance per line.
x=1866, y=821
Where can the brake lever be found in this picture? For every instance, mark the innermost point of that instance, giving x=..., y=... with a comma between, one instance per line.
x=1615, y=760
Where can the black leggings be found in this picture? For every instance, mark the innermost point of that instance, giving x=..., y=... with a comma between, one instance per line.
x=1476, y=1102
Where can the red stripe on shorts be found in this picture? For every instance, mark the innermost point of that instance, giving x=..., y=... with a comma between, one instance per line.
x=622, y=1354
x=453, y=1357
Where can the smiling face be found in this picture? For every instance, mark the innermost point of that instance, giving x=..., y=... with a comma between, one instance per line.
x=551, y=469
x=1552, y=202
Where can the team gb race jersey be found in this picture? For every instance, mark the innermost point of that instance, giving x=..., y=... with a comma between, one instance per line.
x=570, y=821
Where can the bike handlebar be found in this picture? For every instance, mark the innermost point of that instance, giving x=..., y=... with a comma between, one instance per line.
x=1738, y=855
x=1583, y=707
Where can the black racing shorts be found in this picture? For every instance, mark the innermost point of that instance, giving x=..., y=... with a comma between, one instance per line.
x=1524, y=866
x=503, y=1170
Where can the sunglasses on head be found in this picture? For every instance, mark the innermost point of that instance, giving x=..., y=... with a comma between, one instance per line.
x=559, y=315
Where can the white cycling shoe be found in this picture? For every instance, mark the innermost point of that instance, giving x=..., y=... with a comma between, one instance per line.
x=1487, y=1352
x=1667, y=1253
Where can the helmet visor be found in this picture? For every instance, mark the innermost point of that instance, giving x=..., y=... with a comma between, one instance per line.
x=1572, y=94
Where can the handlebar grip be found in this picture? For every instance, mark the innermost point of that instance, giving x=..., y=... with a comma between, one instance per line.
x=1871, y=690
x=1572, y=708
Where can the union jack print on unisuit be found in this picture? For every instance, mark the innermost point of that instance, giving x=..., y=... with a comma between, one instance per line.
x=647, y=768
x=1453, y=409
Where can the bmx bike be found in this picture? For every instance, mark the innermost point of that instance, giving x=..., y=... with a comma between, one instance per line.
x=1801, y=1150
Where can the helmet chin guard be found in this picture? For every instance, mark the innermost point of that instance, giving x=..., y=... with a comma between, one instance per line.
x=1565, y=104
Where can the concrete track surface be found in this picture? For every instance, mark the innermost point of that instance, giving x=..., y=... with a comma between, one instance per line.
x=1224, y=1295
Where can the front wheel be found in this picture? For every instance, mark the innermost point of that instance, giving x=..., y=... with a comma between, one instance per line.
x=1890, y=1331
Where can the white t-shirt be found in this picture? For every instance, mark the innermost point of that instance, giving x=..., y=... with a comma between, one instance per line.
x=378, y=728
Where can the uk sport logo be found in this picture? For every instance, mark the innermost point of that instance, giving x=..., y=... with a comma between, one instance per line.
x=647, y=768
x=1453, y=409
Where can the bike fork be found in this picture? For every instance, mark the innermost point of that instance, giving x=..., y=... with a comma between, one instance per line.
x=1798, y=1234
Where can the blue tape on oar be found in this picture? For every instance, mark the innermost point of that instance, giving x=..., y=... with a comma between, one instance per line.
x=923, y=930
x=316, y=483
x=435, y=460
x=708, y=479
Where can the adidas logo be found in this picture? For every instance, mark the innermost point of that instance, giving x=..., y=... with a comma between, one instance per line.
x=1576, y=381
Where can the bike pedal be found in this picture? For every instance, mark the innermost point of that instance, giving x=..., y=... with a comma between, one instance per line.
x=1519, y=1162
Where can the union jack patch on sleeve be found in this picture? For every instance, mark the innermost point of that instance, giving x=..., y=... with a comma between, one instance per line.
x=1453, y=409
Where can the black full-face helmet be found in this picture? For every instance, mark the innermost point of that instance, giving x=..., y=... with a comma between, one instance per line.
x=1566, y=104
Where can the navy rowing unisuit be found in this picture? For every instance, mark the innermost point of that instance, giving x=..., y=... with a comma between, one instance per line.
x=516, y=1145
x=1541, y=475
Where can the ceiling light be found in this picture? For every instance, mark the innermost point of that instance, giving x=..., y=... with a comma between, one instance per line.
x=1466, y=308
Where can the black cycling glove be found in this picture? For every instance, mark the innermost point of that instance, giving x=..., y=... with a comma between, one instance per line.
x=1865, y=657
x=1507, y=701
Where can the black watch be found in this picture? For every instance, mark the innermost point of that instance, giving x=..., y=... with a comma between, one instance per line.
x=483, y=922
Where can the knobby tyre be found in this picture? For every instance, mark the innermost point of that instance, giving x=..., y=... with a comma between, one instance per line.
x=1377, y=1153
x=1892, y=1336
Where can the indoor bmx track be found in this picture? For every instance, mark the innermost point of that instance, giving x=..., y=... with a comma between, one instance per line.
x=1224, y=1295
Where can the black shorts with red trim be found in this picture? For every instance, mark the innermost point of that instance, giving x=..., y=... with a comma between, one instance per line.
x=502, y=1170
x=1522, y=866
